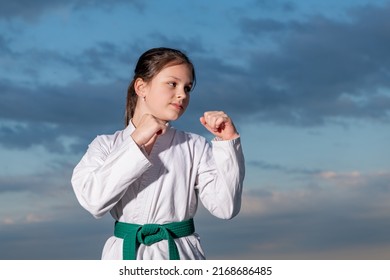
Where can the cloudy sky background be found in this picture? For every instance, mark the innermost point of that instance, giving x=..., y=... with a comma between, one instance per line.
x=307, y=83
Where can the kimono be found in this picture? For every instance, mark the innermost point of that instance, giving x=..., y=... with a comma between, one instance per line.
x=116, y=175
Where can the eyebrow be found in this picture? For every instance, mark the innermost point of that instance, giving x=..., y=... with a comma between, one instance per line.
x=174, y=77
x=178, y=79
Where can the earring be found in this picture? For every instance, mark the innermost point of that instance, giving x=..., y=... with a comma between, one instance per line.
x=143, y=98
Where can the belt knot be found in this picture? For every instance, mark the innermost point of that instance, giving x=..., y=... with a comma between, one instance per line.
x=150, y=233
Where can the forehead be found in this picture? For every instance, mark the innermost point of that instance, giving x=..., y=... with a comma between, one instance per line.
x=181, y=71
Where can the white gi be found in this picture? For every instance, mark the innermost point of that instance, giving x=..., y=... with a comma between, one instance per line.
x=117, y=175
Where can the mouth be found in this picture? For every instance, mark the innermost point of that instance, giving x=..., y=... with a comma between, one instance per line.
x=177, y=106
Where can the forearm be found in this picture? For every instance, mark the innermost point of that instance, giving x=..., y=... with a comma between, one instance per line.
x=222, y=190
x=99, y=180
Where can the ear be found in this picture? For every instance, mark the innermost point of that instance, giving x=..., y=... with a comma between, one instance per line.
x=139, y=87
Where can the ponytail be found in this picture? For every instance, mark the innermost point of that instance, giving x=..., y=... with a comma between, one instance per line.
x=131, y=102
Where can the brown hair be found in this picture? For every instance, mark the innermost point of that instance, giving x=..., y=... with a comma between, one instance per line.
x=148, y=66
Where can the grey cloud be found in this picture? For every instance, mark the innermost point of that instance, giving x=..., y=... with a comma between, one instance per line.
x=31, y=10
x=258, y=26
x=26, y=136
x=68, y=238
x=321, y=69
x=185, y=44
x=73, y=104
x=286, y=6
x=55, y=180
x=98, y=62
x=4, y=46
x=330, y=223
x=44, y=115
x=285, y=169
x=25, y=8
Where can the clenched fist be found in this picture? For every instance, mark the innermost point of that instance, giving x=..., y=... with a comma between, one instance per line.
x=219, y=124
x=148, y=128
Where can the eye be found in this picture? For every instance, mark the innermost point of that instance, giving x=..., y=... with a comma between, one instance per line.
x=172, y=84
x=187, y=89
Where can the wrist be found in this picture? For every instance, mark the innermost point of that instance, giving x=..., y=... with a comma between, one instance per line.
x=136, y=139
x=227, y=138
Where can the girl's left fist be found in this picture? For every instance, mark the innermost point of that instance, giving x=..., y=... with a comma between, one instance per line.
x=219, y=124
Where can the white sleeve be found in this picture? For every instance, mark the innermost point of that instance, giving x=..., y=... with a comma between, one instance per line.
x=220, y=178
x=104, y=173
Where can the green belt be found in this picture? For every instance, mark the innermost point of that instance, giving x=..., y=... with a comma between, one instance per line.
x=133, y=235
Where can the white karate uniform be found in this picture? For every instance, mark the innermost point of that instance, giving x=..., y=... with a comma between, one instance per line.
x=117, y=175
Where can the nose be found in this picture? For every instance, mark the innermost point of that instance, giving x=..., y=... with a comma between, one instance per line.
x=182, y=94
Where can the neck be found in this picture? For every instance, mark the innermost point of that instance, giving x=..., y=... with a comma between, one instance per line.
x=136, y=118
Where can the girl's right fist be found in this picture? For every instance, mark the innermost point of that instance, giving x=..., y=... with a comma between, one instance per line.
x=148, y=128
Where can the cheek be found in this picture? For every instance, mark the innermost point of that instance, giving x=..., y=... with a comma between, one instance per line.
x=187, y=101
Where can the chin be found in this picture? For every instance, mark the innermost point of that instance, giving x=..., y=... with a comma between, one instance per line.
x=171, y=117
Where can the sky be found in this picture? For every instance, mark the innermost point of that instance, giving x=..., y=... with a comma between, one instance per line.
x=307, y=84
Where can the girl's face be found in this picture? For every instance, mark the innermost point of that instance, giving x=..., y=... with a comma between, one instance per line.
x=167, y=95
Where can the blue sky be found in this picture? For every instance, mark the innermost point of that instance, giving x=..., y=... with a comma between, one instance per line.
x=306, y=82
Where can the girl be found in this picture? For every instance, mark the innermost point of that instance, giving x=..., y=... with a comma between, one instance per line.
x=150, y=176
